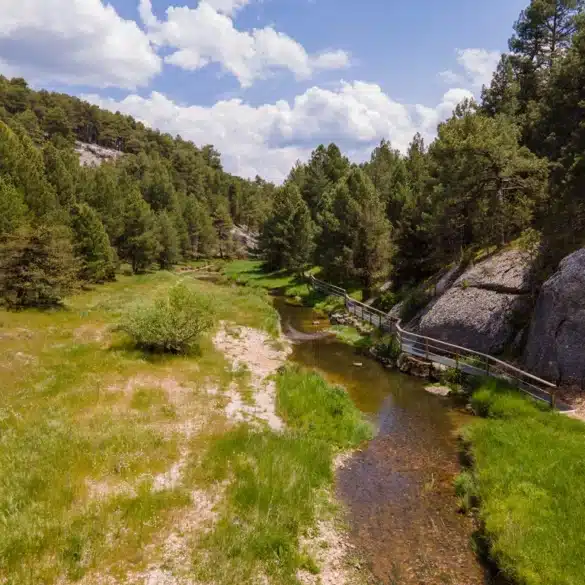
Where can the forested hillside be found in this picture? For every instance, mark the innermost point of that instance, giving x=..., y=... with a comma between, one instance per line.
x=165, y=200
x=508, y=167
x=511, y=166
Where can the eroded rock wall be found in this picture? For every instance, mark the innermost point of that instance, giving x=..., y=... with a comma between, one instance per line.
x=481, y=310
x=555, y=347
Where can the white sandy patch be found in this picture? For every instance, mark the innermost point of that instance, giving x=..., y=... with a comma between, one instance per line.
x=263, y=409
x=92, y=333
x=330, y=547
x=173, y=568
x=255, y=351
x=101, y=490
x=331, y=559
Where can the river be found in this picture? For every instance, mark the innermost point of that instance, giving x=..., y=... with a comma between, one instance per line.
x=398, y=491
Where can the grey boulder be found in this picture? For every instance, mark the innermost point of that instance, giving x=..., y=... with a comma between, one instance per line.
x=479, y=311
x=556, y=342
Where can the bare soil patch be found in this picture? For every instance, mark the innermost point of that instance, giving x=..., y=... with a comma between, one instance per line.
x=256, y=353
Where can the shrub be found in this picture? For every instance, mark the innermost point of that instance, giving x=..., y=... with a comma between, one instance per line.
x=388, y=347
x=387, y=301
x=466, y=490
x=413, y=303
x=481, y=402
x=172, y=324
x=453, y=377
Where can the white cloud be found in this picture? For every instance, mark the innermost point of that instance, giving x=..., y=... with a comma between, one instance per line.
x=478, y=66
x=80, y=42
x=228, y=6
x=268, y=139
x=429, y=118
x=202, y=35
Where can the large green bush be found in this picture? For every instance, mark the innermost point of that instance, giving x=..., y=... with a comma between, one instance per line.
x=413, y=303
x=171, y=324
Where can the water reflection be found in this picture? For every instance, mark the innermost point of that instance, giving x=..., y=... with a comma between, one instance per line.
x=399, y=488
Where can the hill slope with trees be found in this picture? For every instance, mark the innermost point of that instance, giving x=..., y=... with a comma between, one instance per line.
x=509, y=166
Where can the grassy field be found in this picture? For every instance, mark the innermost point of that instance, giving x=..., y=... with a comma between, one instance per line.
x=87, y=424
x=528, y=475
x=251, y=273
x=113, y=460
x=278, y=482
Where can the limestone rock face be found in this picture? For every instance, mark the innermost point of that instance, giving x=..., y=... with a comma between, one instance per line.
x=556, y=342
x=92, y=155
x=480, y=309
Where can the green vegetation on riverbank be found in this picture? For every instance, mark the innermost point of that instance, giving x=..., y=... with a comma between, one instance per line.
x=253, y=273
x=278, y=483
x=527, y=478
x=88, y=424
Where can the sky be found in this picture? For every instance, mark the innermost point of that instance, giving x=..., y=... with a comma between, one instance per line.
x=264, y=81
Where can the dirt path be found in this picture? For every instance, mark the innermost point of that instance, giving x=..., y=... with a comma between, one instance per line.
x=254, y=353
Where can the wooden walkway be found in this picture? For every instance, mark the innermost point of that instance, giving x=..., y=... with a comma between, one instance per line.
x=445, y=354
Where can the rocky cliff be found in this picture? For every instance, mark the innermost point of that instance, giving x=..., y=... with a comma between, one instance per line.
x=482, y=308
x=92, y=155
x=556, y=342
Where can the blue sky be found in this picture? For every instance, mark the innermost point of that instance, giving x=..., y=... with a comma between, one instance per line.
x=264, y=80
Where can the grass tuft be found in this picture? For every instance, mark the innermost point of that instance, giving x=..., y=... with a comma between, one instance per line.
x=276, y=483
x=528, y=476
x=312, y=407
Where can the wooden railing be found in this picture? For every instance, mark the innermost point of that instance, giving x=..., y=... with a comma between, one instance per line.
x=443, y=354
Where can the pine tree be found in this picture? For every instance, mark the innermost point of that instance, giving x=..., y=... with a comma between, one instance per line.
x=486, y=185
x=106, y=188
x=387, y=171
x=29, y=121
x=168, y=241
x=157, y=187
x=37, y=267
x=563, y=133
x=543, y=34
x=138, y=244
x=202, y=235
x=502, y=95
x=287, y=238
x=92, y=245
x=56, y=122
x=222, y=222
x=355, y=237
x=58, y=176
x=13, y=210
x=413, y=238
x=325, y=167
x=23, y=164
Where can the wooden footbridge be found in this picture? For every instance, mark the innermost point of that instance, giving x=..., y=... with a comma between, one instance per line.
x=444, y=354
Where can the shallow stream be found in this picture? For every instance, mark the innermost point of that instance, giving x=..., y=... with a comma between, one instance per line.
x=398, y=490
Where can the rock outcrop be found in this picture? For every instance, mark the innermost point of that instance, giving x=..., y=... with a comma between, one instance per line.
x=414, y=366
x=556, y=342
x=92, y=155
x=480, y=310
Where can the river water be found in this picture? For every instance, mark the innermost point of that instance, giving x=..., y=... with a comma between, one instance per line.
x=398, y=490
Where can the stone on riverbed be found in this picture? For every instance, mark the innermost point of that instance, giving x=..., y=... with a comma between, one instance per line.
x=438, y=390
x=408, y=364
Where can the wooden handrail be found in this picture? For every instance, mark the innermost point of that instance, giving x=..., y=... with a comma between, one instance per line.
x=451, y=348
x=491, y=358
